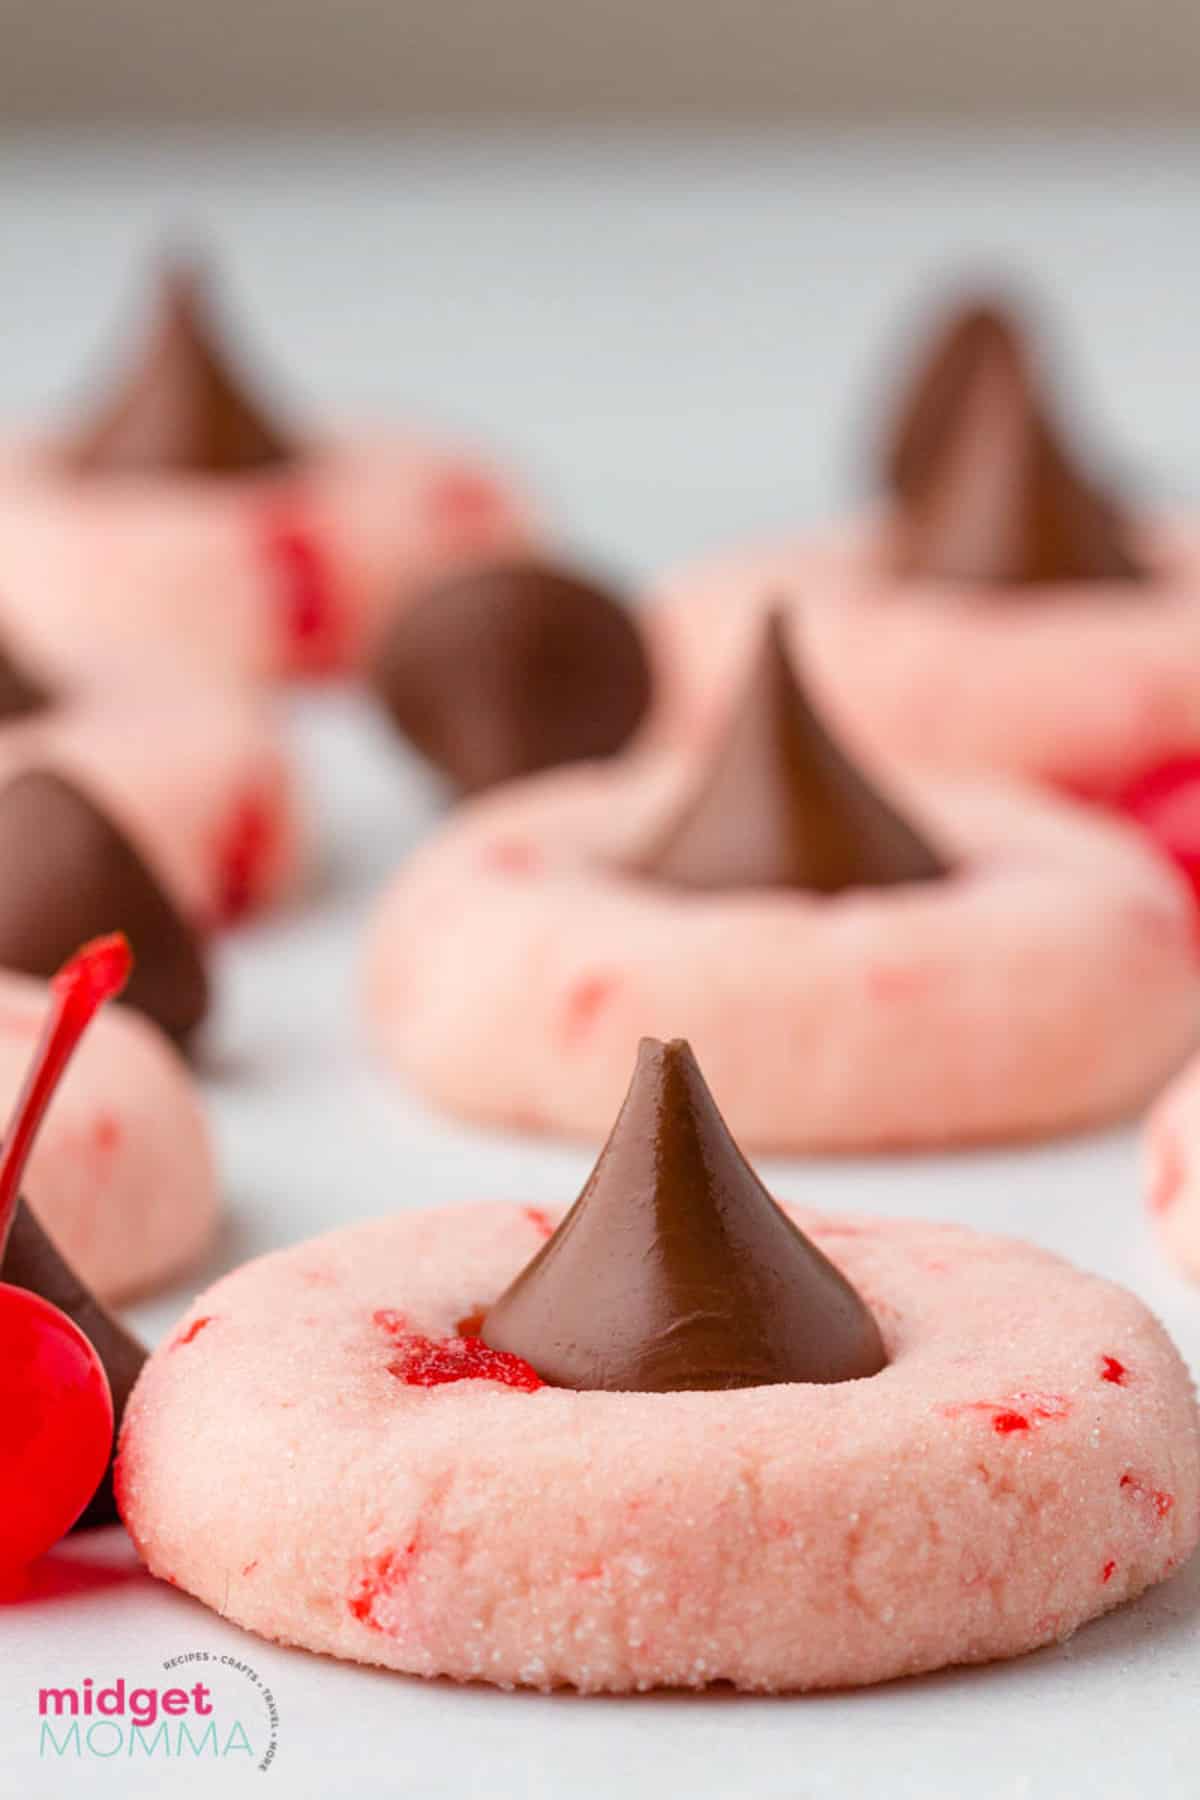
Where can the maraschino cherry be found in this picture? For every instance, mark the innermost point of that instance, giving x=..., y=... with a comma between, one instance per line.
x=56, y=1410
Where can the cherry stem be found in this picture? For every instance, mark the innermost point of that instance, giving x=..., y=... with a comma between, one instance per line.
x=93, y=975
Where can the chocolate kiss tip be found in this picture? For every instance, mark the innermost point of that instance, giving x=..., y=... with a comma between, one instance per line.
x=181, y=407
x=989, y=495
x=31, y=1260
x=675, y=1270
x=782, y=806
x=501, y=671
x=983, y=327
x=72, y=877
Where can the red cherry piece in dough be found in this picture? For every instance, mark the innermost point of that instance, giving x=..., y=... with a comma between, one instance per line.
x=420, y=1361
x=310, y=617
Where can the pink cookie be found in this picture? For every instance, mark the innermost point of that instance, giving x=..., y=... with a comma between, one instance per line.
x=122, y=1174
x=287, y=572
x=1087, y=686
x=1173, y=1189
x=310, y=1455
x=1051, y=981
x=196, y=774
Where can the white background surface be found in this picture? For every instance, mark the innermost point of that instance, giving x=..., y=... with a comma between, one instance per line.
x=675, y=340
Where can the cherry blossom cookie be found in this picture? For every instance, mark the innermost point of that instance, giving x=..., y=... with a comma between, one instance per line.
x=681, y=1436
x=197, y=773
x=1001, y=608
x=122, y=1177
x=956, y=961
x=181, y=525
x=61, y=1388
x=66, y=1366
x=1172, y=1155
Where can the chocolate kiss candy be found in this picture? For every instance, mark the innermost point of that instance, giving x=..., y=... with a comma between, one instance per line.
x=20, y=695
x=513, y=668
x=998, y=501
x=675, y=1269
x=180, y=408
x=781, y=805
x=72, y=876
x=32, y=1261
x=982, y=330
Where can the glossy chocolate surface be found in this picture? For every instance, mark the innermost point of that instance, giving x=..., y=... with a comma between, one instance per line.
x=782, y=805
x=513, y=668
x=983, y=329
x=989, y=493
x=73, y=876
x=180, y=406
x=675, y=1270
x=20, y=694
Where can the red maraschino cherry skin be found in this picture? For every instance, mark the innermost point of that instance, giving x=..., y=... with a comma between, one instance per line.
x=56, y=1412
x=57, y=1433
